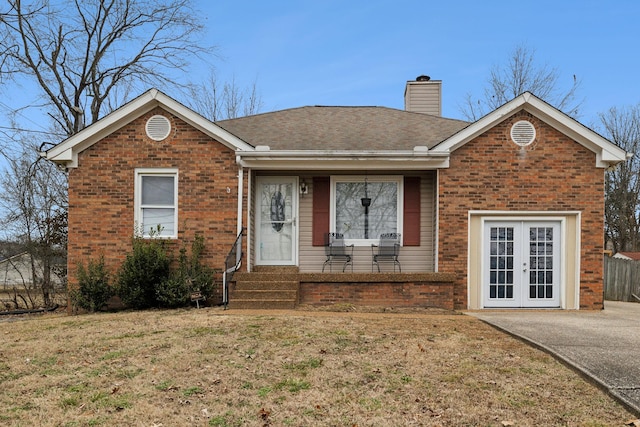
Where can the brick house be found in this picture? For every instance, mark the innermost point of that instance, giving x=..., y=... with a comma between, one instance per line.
x=505, y=212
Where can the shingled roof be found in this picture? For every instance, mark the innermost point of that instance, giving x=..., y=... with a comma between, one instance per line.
x=342, y=128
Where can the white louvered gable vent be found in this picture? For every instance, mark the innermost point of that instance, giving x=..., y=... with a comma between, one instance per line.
x=523, y=133
x=158, y=127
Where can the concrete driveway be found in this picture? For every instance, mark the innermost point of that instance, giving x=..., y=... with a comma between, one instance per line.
x=604, y=345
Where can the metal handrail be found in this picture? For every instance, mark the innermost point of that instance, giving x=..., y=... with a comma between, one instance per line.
x=231, y=264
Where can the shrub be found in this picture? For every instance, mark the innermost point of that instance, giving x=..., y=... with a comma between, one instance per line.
x=200, y=276
x=142, y=272
x=191, y=276
x=93, y=290
x=173, y=292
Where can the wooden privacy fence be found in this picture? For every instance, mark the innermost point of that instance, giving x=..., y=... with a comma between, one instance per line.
x=621, y=279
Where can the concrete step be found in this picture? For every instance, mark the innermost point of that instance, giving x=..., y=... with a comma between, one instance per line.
x=263, y=285
x=267, y=304
x=275, y=269
x=266, y=276
x=267, y=294
x=267, y=287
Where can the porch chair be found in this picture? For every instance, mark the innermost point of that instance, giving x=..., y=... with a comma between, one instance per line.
x=388, y=250
x=337, y=251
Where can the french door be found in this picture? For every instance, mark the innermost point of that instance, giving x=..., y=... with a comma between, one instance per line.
x=521, y=264
x=276, y=208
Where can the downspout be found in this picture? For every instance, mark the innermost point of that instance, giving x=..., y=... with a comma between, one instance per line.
x=249, y=219
x=240, y=195
x=436, y=264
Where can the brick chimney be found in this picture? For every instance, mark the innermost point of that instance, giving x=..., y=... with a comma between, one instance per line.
x=423, y=95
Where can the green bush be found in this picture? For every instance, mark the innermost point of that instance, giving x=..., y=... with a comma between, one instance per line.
x=93, y=290
x=200, y=276
x=173, y=292
x=143, y=271
x=191, y=276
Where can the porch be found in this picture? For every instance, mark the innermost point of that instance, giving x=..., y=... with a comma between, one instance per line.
x=286, y=288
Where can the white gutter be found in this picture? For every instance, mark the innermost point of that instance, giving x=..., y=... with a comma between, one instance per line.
x=418, y=152
x=417, y=159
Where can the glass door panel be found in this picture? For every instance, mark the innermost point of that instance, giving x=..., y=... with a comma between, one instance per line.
x=521, y=264
x=276, y=210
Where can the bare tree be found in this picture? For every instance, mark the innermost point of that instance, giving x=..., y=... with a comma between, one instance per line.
x=83, y=53
x=217, y=101
x=84, y=58
x=519, y=75
x=34, y=206
x=622, y=208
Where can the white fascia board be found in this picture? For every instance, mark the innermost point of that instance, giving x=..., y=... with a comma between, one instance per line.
x=473, y=130
x=106, y=125
x=342, y=160
x=607, y=154
x=131, y=111
x=202, y=124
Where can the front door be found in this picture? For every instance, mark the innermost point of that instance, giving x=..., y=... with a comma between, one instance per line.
x=521, y=264
x=276, y=210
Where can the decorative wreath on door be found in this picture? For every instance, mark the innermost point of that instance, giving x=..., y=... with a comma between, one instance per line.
x=277, y=211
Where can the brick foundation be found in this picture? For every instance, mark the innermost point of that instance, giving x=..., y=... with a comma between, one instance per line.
x=389, y=290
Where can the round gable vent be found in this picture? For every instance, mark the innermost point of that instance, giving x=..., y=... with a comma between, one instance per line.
x=158, y=127
x=523, y=133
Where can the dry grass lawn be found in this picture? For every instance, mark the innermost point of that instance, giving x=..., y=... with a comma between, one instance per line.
x=211, y=367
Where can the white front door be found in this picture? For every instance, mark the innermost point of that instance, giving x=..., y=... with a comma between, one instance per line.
x=276, y=209
x=521, y=264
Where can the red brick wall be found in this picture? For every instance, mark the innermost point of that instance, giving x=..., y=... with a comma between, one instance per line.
x=491, y=173
x=101, y=192
x=379, y=294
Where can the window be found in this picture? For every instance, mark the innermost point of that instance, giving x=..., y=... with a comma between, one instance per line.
x=156, y=196
x=362, y=208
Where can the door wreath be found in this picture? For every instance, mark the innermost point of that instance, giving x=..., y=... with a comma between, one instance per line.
x=277, y=211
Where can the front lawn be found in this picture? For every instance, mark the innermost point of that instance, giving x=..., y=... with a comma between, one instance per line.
x=211, y=367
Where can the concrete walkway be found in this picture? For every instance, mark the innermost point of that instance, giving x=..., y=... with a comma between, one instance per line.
x=604, y=345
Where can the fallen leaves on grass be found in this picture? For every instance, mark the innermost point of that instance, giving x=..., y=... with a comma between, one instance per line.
x=303, y=368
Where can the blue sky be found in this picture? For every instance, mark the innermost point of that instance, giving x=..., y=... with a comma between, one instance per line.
x=333, y=52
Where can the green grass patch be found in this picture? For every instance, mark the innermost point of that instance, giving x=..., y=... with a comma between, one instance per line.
x=201, y=331
x=28, y=406
x=127, y=374
x=292, y=386
x=70, y=402
x=264, y=391
x=164, y=385
x=112, y=355
x=112, y=401
x=192, y=390
x=228, y=419
x=370, y=404
x=303, y=366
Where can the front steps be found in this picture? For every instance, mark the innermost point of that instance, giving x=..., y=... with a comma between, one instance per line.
x=266, y=287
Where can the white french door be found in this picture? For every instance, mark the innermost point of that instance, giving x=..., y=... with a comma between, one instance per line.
x=276, y=209
x=521, y=264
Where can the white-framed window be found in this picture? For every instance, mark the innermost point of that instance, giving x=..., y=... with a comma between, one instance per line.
x=360, y=224
x=156, y=202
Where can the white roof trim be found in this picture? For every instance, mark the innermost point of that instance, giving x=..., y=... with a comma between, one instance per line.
x=66, y=153
x=607, y=153
x=342, y=160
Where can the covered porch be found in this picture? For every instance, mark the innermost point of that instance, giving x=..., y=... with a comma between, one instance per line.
x=290, y=216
